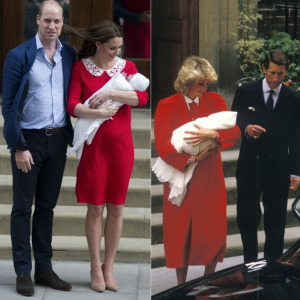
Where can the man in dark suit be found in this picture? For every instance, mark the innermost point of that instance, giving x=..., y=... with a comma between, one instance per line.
x=269, y=159
x=37, y=130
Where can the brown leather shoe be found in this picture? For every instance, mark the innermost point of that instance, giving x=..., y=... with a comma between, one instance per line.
x=24, y=285
x=49, y=278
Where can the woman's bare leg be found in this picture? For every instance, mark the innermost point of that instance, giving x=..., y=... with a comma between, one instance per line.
x=210, y=268
x=93, y=230
x=112, y=234
x=181, y=274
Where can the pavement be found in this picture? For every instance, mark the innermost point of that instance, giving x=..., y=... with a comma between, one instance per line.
x=133, y=280
x=164, y=278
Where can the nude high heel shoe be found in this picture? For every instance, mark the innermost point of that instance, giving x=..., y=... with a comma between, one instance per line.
x=98, y=287
x=110, y=286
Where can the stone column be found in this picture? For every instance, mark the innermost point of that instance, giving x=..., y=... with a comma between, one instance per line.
x=217, y=20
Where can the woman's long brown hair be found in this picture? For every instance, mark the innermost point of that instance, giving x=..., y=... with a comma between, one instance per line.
x=101, y=32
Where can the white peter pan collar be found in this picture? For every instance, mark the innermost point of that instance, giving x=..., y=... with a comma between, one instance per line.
x=96, y=71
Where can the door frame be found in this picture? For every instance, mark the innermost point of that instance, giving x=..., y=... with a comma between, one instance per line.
x=83, y=13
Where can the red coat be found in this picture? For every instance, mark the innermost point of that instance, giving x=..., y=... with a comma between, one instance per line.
x=194, y=233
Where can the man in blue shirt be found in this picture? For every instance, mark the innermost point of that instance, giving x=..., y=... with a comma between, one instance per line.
x=37, y=130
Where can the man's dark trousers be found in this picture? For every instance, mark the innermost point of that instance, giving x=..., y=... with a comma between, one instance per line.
x=274, y=200
x=44, y=181
x=265, y=165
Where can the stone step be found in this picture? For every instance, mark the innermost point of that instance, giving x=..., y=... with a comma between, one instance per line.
x=230, y=182
x=138, y=194
x=234, y=246
x=74, y=248
x=141, y=167
x=153, y=149
x=232, y=228
x=229, y=162
x=70, y=221
x=140, y=127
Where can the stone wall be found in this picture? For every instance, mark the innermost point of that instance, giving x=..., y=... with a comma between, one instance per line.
x=217, y=20
x=274, y=18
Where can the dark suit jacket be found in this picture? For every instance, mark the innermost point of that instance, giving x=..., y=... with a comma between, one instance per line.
x=275, y=155
x=16, y=70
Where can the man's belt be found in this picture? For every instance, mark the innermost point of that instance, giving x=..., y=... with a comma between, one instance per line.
x=52, y=131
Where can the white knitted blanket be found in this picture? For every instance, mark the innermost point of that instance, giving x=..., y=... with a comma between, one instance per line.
x=85, y=129
x=178, y=181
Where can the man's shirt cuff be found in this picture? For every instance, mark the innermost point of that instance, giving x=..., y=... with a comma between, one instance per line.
x=247, y=136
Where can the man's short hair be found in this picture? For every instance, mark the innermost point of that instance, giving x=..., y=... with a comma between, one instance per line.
x=277, y=57
x=41, y=7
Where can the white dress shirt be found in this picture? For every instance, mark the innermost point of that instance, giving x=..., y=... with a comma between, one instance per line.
x=266, y=91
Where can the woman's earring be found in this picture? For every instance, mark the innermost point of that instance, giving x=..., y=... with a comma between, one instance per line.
x=97, y=48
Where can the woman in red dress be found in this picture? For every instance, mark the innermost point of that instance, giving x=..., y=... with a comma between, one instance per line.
x=136, y=15
x=105, y=167
x=195, y=232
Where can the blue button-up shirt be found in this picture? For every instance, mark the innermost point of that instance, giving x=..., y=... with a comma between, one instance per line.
x=44, y=106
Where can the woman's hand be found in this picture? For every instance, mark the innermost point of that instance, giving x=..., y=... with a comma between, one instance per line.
x=107, y=110
x=206, y=153
x=99, y=99
x=200, y=136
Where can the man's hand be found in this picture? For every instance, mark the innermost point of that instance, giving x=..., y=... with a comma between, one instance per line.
x=145, y=16
x=206, y=153
x=255, y=131
x=294, y=181
x=24, y=160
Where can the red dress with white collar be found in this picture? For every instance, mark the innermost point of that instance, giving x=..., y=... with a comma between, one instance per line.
x=105, y=167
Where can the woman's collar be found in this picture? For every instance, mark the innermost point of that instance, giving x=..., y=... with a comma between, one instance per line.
x=188, y=100
x=96, y=71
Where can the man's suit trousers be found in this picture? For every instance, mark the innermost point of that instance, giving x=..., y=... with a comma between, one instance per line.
x=274, y=201
x=43, y=182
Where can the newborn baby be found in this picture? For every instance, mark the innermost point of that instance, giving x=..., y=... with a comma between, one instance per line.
x=178, y=181
x=86, y=129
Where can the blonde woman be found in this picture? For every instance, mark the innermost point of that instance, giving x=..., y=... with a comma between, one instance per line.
x=195, y=232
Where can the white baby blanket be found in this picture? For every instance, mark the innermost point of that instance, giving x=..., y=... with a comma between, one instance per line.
x=178, y=181
x=85, y=129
